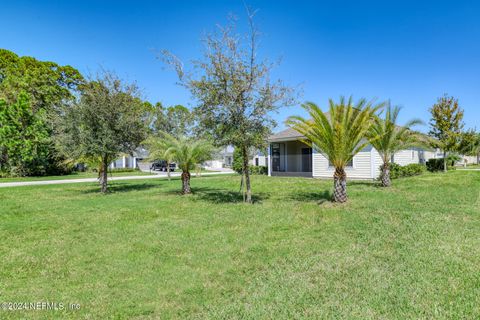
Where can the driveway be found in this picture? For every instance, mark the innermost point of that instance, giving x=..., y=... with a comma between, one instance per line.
x=162, y=175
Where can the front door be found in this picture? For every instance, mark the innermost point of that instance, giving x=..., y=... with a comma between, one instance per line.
x=306, y=159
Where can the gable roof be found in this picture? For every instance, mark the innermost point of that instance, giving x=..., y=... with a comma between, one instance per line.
x=285, y=135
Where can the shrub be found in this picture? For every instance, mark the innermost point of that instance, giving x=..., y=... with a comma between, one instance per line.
x=395, y=170
x=114, y=170
x=398, y=171
x=237, y=164
x=258, y=170
x=435, y=165
x=413, y=169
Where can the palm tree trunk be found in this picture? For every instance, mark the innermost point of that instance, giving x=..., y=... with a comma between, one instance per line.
x=168, y=170
x=385, y=178
x=246, y=174
x=186, y=182
x=104, y=176
x=340, y=185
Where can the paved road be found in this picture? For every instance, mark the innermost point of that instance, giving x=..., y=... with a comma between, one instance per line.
x=68, y=181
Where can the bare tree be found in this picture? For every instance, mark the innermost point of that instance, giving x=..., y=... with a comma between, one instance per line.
x=234, y=91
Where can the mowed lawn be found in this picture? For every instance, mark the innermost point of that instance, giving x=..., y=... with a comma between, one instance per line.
x=145, y=252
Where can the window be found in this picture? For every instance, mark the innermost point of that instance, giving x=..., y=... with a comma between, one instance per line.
x=349, y=164
x=413, y=154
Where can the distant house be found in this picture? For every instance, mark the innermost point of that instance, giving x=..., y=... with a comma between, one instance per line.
x=133, y=161
x=289, y=156
x=223, y=159
x=259, y=159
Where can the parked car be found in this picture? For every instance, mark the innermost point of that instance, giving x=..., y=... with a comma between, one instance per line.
x=161, y=165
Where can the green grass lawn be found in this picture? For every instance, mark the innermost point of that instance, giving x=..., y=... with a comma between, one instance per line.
x=145, y=252
x=81, y=175
x=74, y=175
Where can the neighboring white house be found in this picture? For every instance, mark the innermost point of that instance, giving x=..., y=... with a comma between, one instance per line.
x=289, y=156
x=259, y=159
x=223, y=159
x=131, y=161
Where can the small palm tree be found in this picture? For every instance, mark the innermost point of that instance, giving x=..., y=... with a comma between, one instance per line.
x=158, y=146
x=187, y=153
x=339, y=135
x=388, y=138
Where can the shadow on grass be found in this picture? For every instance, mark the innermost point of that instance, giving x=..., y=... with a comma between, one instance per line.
x=320, y=197
x=117, y=187
x=220, y=195
x=373, y=184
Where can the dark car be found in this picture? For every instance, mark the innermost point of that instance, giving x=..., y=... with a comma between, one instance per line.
x=161, y=165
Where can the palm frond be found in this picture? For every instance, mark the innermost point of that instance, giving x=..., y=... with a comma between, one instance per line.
x=340, y=134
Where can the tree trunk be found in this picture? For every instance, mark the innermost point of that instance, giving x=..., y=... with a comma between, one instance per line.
x=445, y=161
x=385, y=178
x=100, y=174
x=104, y=176
x=340, y=185
x=246, y=175
x=168, y=170
x=186, y=182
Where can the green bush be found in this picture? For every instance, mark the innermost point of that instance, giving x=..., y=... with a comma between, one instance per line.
x=398, y=171
x=395, y=170
x=237, y=164
x=115, y=170
x=435, y=165
x=413, y=169
x=258, y=170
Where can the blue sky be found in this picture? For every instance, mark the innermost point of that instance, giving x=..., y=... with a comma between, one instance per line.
x=408, y=51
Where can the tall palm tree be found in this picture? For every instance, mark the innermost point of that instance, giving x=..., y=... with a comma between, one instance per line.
x=339, y=135
x=388, y=138
x=186, y=152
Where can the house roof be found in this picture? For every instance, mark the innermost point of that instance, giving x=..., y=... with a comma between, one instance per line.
x=287, y=134
x=290, y=134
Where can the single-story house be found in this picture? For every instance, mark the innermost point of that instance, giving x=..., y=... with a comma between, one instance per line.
x=289, y=156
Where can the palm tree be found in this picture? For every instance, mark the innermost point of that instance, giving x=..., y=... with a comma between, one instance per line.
x=158, y=146
x=388, y=138
x=186, y=152
x=339, y=135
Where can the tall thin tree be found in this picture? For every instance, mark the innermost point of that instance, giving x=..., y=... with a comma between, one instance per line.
x=234, y=90
x=446, y=125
